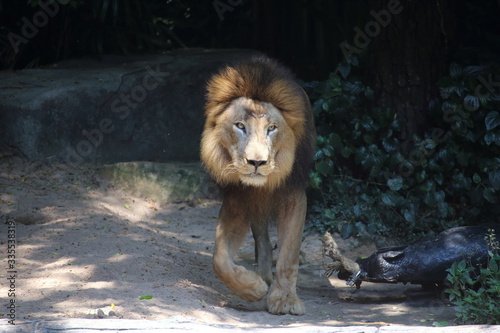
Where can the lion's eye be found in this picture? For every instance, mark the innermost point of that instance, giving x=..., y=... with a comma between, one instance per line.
x=271, y=128
x=241, y=126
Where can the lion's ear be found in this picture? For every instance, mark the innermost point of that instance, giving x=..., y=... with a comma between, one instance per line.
x=223, y=88
x=293, y=103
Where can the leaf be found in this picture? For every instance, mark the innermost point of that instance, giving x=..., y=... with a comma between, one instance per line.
x=491, y=137
x=493, y=265
x=344, y=69
x=409, y=215
x=438, y=178
x=429, y=144
x=324, y=168
x=334, y=81
x=329, y=214
x=440, y=324
x=368, y=92
x=369, y=124
x=335, y=140
x=354, y=60
x=455, y=71
x=492, y=120
x=494, y=177
x=443, y=209
x=347, y=151
x=353, y=87
x=146, y=297
x=471, y=103
x=395, y=184
x=473, y=70
x=357, y=210
x=346, y=230
x=390, y=144
x=430, y=198
x=452, y=270
x=440, y=195
x=489, y=194
x=369, y=139
x=476, y=178
x=315, y=180
x=391, y=199
x=368, y=157
x=421, y=176
x=326, y=152
x=325, y=106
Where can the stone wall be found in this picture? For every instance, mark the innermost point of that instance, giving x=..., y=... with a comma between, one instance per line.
x=134, y=108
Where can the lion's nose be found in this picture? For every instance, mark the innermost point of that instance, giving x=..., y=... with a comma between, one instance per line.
x=256, y=163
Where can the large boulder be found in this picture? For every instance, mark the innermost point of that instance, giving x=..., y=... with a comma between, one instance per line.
x=118, y=109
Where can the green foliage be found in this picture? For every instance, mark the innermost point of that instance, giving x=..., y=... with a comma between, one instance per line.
x=475, y=290
x=367, y=182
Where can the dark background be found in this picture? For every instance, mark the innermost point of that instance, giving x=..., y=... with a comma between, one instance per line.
x=402, y=62
x=303, y=34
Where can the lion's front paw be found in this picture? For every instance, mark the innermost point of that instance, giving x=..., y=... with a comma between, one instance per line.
x=285, y=305
x=248, y=285
x=253, y=293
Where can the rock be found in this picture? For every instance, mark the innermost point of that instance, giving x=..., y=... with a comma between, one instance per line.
x=100, y=314
x=118, y=109
x=163, y=182
x=27, y=218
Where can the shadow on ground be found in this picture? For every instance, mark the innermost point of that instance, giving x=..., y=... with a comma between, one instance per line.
x=88, y=249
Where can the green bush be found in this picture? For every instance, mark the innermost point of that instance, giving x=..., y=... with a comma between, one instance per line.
x=364, y=184
x=475, y=291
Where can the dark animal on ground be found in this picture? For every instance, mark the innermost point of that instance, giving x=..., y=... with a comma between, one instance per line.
x=424, y=262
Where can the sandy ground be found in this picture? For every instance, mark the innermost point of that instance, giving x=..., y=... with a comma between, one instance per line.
x=86, y=249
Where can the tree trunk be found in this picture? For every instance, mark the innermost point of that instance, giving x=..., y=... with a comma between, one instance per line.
x=407, y=57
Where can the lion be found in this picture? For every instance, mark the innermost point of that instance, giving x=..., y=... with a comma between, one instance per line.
x=257, y=144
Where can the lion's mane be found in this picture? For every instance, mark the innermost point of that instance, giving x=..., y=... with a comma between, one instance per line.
x=264, y=80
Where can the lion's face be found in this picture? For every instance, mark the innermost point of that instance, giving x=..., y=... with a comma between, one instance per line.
x=257, y=144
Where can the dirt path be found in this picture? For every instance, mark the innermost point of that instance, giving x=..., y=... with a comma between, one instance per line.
x=86, y=249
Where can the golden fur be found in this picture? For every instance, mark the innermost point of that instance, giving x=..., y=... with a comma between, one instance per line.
x=257, y=145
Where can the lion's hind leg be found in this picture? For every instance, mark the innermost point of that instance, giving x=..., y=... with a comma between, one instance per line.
x=231, y=230
x=263, y=251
